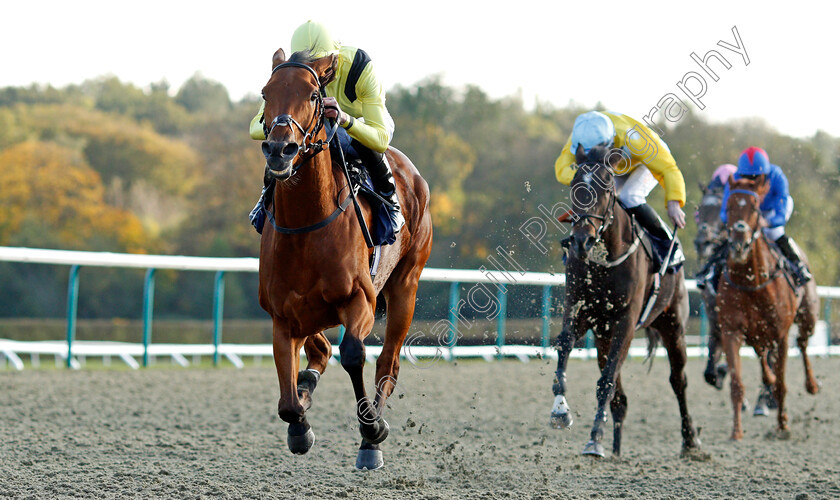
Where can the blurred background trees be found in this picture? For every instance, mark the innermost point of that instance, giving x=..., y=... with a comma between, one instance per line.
x=107, y=166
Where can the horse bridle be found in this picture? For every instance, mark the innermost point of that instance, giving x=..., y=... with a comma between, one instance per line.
x=286, y=120
x=741, y=226
x=606, y=219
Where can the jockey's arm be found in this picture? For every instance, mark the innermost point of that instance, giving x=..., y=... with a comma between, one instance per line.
x=776, y=201
x=256, y=128
x=563, y=166
x=374, y=127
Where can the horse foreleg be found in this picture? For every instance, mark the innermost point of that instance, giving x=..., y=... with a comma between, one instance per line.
x=715, y=372
x=611, y=355
x=358, y=318
x=732, y=345
x=561, y=414
x=290, y=409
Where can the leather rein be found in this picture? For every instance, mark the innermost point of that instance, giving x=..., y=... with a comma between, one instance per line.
x=320, y=122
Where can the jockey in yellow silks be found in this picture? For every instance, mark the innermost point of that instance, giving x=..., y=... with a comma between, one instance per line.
x=647, y=161
x=355, y=99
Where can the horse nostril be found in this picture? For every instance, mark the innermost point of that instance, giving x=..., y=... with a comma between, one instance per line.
x=266, y=149
x=290, y=150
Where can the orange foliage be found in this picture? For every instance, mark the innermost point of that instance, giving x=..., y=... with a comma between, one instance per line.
x=54, y=185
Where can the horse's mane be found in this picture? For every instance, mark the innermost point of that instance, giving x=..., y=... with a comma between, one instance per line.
x=303, y=56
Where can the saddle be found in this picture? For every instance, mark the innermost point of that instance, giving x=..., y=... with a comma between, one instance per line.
x=381, y=231
x=658, y=250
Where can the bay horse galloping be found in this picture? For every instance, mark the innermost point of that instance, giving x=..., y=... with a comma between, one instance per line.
x=315, y=269
x=757, y=304
x=609, y=277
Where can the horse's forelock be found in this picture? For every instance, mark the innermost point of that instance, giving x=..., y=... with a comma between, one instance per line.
x=303, y=56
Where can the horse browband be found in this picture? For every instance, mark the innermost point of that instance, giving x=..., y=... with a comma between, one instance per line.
x=295, y=64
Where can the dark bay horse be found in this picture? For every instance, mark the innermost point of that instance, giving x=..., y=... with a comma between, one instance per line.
x=757, y=304
x=609, y=277
x=315, y=265
x=709, y=237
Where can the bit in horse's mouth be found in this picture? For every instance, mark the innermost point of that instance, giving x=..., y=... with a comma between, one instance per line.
x=280, y=175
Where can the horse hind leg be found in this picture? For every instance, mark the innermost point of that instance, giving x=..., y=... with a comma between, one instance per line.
x=765, y=401
x=318, y=352
x=618, y=407
x=807, y=325
x=674, y=341
x=358, y=319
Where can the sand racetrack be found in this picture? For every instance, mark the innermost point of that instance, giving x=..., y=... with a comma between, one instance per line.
x=467, y=430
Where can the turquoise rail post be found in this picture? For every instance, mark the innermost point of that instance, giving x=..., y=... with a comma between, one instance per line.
x=218, y=312
x=148, y=304
x=454, y=298
x=341, y=331
x=704, y=325
x=500, y=322
x=72, y=308
x=546, y=316
x=827, y=317
x=589, y=343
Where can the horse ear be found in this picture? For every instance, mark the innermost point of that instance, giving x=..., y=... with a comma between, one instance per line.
x=580, y=156
x=702, y=187
x=730, y=181
x=325, y=67
x=278, y=58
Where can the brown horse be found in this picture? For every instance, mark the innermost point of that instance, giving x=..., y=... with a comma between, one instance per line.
x=757, y=304
x=315, y=265
x=609, y=277
x=708, y=242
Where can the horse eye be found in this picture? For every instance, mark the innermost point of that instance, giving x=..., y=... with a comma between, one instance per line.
x=313, y=96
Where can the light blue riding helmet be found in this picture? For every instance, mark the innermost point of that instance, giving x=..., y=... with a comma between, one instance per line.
x=592, y=129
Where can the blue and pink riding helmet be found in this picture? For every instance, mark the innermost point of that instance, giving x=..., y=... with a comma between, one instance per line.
x=753, y=161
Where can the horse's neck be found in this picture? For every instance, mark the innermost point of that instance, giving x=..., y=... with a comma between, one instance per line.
x=619, y=235
x=309, y=196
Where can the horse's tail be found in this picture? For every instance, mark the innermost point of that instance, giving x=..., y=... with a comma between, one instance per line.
x=653, y=343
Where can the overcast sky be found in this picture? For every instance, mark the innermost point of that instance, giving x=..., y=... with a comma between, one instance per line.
x=627, y=55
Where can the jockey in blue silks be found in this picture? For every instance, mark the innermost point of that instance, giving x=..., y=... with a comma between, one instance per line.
x=776, y=207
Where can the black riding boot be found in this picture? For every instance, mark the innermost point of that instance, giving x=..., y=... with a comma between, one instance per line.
x=383, y=182
x=711, y=269
x=801, y=274
x=650, y=221
x=257, y=217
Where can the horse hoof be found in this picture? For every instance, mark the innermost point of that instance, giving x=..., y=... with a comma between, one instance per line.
x=561, y=420
x=369, y=459
x=761, y=411
x=300, y=438
x=561, y=416
x=380, y=431
x=593, y=448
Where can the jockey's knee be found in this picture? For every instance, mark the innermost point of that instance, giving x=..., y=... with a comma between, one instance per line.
x=630, y=199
